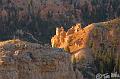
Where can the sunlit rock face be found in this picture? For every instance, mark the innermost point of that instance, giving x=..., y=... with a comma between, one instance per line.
x=73, y=40
x=24, y=60
x=86, y=43
x=92, y=36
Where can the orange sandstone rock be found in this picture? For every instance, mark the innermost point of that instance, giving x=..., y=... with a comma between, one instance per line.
x=77, y=38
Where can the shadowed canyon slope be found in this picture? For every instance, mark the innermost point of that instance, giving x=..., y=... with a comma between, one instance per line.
x=25, y=19
x=24, y=60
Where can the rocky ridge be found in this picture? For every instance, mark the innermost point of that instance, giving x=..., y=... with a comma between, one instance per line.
x=24, y=60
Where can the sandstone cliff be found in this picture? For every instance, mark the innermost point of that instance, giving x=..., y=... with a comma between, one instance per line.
x=24, y=60
x=97, y=45
x=94, y=34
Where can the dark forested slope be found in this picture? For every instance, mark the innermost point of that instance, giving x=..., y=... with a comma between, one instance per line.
x=36, y=20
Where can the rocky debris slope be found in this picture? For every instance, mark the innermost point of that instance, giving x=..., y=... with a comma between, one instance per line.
x=24, y=60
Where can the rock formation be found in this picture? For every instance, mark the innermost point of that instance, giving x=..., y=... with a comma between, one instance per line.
x=24, y=60
x=97, y=33
x=95, y=42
